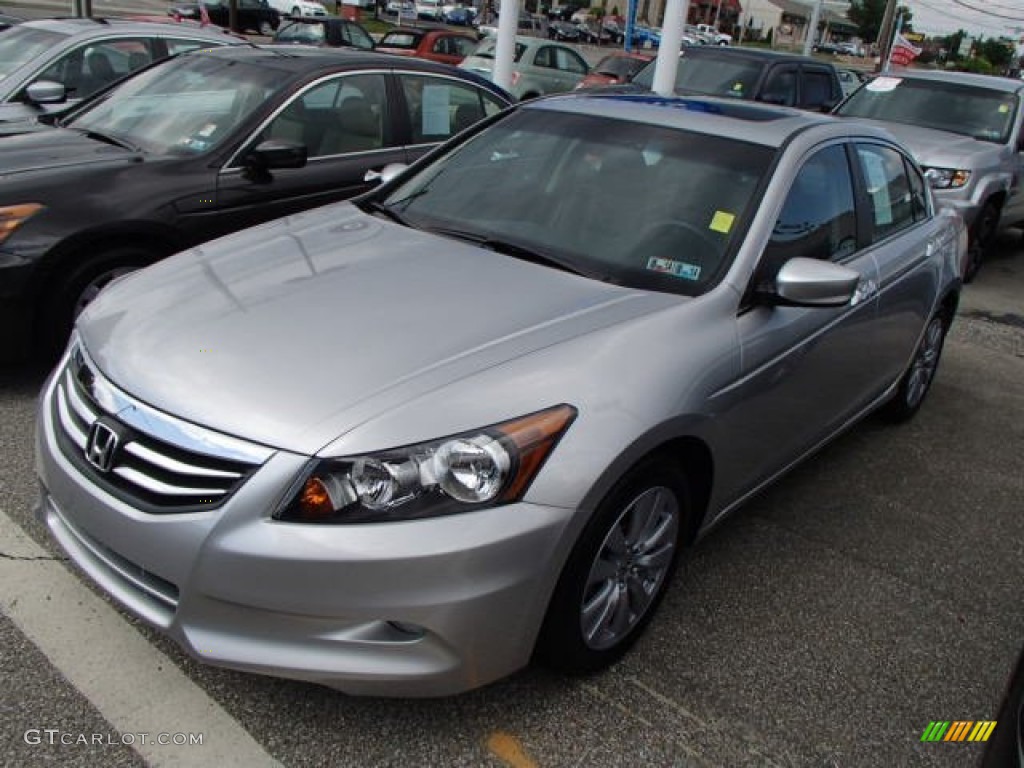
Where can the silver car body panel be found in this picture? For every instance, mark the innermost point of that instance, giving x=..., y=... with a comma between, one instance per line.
x=256, y=336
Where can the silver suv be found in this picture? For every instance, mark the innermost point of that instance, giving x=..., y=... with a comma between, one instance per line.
x=965, y=130
x=48, y=63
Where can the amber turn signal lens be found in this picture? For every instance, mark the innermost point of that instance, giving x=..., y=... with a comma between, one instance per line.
x=315, y=501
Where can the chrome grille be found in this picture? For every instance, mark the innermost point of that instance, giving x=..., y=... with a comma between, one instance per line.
x=186, y=468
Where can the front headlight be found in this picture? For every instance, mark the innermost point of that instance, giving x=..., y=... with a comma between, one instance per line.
x=477, y=469
x=13, y=216
x=947, y=178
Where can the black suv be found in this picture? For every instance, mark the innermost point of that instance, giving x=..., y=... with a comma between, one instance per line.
x=787, y=79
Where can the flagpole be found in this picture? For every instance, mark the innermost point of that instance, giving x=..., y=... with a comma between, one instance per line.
x=888, y=54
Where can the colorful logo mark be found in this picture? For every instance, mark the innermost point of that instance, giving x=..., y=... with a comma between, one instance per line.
x=958, y=730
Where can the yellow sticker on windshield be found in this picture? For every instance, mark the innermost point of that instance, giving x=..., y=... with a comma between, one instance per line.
x=1004, y=108
x=722, y=222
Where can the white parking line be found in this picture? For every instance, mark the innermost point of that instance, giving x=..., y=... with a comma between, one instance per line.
x=135, y=687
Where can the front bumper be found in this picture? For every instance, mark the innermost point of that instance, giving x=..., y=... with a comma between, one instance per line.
x=423, y=608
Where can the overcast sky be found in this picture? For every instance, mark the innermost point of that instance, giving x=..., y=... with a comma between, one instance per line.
x=984, y=18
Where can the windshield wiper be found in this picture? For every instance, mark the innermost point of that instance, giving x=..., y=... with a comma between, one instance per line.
x=375, y=206
x=106, y=138
x=509, y=248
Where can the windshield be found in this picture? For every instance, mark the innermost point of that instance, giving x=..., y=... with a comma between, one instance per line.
x=184, y=106
x=21, y=44
x=636, y=204
x=710, y=75
x=488, y=46
x=981, y=113
x=619, y=66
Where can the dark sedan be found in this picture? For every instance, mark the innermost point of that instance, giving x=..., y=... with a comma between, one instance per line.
x=253, y=15
x=199, y=146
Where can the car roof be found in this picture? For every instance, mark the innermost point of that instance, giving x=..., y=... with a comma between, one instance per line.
x=752, y=54
x=99, y=26
x=1006, y=84
x=763, y=124
x=301, y=60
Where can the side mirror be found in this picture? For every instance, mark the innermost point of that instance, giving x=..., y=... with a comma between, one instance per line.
x=806, y=282
x=46, y=92
x=273, y=154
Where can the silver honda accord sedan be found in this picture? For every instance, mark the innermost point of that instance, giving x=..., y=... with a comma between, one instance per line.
x=405, y=445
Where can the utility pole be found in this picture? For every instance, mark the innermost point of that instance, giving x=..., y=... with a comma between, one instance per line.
x=812, y=28
x=885, y=34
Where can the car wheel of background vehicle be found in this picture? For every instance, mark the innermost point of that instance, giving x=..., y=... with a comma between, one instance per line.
x=296, y=11
x=266, y=29
x=917, y=380
x=984, y=234
x=79, y=289
x=618, y=570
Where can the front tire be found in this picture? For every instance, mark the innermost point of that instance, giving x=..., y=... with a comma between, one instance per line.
x=70, y=298
x=917, y=381
x=983, y=235
x=618, y=571
x=266, y=29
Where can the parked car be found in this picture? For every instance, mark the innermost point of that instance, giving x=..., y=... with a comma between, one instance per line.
x=540, y=67
x=851, y=49
x=714, y=35
x=49, y=64
x=785, y=79
x=403, y=7
x=330, y=31
x=595, y=33
x=460, y=17
x=253, y=15
x=965, y=130
x=298, y=7
x=645, y=36
x=616, y=68
x=445, y=45
x=420, y=465
x=199, y=146
x=564, y=31
x=429, y=9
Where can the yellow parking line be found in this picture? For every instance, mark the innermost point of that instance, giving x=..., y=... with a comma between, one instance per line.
x=509, y=750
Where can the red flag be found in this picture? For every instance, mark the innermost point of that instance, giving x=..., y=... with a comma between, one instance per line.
x=204, y=15
x=903, y=51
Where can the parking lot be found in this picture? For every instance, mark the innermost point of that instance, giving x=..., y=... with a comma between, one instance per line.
x=826, y=623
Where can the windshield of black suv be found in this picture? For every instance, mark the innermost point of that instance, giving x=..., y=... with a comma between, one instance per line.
x=640, y=205
x=710, y=75
x=982, y=113
x=184, y=106
x=21, y=44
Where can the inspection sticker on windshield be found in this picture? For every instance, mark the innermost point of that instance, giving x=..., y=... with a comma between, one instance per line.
x=673, y=267
x=721, y=222
x=884, y=84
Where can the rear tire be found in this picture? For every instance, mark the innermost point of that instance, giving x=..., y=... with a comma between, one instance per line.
x=267, y=29
x=618, y=570
x=917, y=381
x=79, y=288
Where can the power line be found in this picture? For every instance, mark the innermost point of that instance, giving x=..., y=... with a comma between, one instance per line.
x=950, y=16
x=988, y=13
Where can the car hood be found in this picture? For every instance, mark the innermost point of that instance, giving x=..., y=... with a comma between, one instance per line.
x=294, y=332
x=942, y=149
x=52, y=148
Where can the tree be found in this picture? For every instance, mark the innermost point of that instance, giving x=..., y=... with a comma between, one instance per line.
x=868, y=14
x=996, y=52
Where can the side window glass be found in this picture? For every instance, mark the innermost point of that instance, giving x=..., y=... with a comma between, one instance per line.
x=440, y=108
x=347, y=114
x=86, y=70
x=545, y=58
x=441, y=45
x=780, y=88
x=463, y=46
x=918, y=193
x=818, y=219
x=569, y=62
x=359, y=37
x=888, y=189
x=816, y=89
